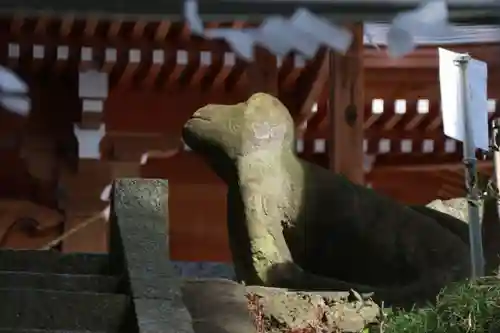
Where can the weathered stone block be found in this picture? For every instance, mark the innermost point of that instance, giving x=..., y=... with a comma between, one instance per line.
x=53, y=262
x=55, y=310
x=218, y=305
x=156, y=287
x=139, y=242
x=59, y=282
x=162, y=316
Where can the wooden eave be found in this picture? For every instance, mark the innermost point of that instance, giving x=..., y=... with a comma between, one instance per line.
x=425, y=57
x=125, y=35
x=412, y=78
x=478, y=11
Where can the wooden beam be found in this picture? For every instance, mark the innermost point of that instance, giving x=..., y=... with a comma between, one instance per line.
x=64, y=59
x=427, y=56
x=90, y=27
x=478, y=12
x=425, y=161
x=162, y=31
x=16, y=25
x=374, y=126
x=234, y=78
x=396, y=116
x=66, y=25
x=447, y=191
x=262, y=74
x=453, y=178
x=138, y=29
x=435, y=123
x=320, y=118
x=418, y=118
x=114, y=29
x=157, y=64
x=88, y=36
x=412, y=84
x=347, y=110
x=169, y=68
x=390, y=75
x=289, y=73
x=203, y=59
x=111, y=58
x=426, y=165
x=41, y=25
x=134, y=62
x=44, y=59
x=310, y=87
x=86, y=60
x=184, y=63
x=227, y=63
x=213, y=69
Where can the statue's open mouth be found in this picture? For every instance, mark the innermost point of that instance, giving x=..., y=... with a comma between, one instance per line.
x=197, y=117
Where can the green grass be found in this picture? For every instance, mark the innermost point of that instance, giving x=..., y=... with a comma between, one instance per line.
x=471, y=306
x=466, y=307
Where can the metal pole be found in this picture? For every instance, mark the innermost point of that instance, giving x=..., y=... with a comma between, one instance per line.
x=495, y=135
x=470, y=161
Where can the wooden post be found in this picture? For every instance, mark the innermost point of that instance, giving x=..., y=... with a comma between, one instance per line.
x=263, y=73
x=346, y=110
x=83, y=190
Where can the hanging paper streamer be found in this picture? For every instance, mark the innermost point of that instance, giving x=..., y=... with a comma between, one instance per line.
x=10, y=83
x=240, y=41
x=270, y=35
x=336, y=38
x=431, y=18
x=193, y=19
x=106, y=193
x=281, y=36
x=14, y=93
x=20, y=105
x=304, y=32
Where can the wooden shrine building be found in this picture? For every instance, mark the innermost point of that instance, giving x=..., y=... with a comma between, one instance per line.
x=373, y=118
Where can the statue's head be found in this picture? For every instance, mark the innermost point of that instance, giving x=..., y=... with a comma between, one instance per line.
x=233, y=131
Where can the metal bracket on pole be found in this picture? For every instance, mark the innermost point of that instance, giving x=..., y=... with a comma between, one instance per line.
x=495, y=135
x=470, y=162
x=495, y=147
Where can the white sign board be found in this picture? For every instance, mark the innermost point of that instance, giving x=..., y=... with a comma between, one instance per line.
x=453, y=119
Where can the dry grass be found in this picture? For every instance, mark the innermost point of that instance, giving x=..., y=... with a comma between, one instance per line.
x=255, y=309
x=465, y=307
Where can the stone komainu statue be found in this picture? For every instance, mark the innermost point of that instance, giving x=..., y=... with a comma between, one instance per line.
x=296, y=225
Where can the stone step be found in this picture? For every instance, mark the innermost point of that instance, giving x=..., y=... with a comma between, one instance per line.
x=54, y=262
x=59, y=282
x=69, y=311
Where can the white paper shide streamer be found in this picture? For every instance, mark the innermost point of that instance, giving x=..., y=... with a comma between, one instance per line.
x=429, y=19
x=14, y=93
x=305, y=32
